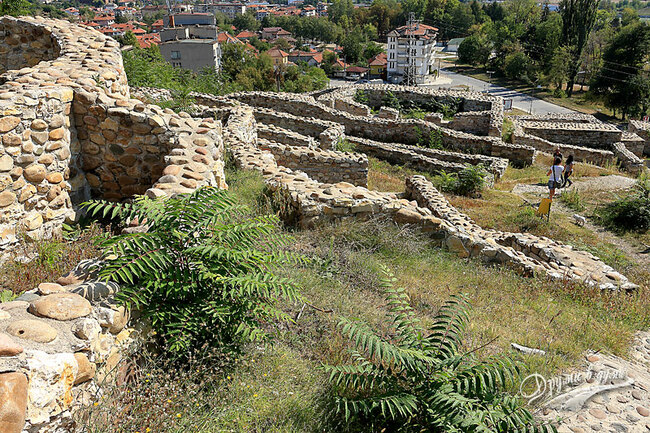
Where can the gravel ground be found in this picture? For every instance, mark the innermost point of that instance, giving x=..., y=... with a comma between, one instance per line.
x=603, y=183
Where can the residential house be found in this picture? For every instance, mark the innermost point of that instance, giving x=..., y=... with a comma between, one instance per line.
x=278, y=56
x=452, y=45
x=273, y=33
x=311, y=58
x=147, y=40
x=191, y=47
x=246, y=35
x=411, y=48
x=359, y=71
x=157, y=26
x=378, y=65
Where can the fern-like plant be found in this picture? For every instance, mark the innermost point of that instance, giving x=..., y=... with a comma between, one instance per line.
x=419, y=381
x=204, y=271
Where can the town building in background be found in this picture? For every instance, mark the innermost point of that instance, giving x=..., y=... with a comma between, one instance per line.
x=191, y=47
x=411, y=52
x=229, y=9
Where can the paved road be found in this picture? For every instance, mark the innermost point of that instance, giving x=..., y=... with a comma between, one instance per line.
x=520, y=100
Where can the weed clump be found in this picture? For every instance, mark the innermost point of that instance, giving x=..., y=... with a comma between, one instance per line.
x=469, y=182
x=629, y=213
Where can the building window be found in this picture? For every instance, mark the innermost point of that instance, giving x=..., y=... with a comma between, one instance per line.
x=176, y=54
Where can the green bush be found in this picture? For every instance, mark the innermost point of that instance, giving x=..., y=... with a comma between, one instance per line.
x=203, y=273
x=629, y=213
x=419, y=379
x=390, y=100
x=470, y=181
x=361, y=97
x=344, y=145
x=559, y=93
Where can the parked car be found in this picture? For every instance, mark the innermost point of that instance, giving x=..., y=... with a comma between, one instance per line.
x=363, y=81
x=352, y=77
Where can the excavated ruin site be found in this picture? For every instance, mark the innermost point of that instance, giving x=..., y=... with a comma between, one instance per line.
x=72, y=130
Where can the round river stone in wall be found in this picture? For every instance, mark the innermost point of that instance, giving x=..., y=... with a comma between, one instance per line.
x=61, y=306
x=34, y=330
x=8, y=347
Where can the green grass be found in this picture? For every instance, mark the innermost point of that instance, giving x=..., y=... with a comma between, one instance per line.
x=279, y=388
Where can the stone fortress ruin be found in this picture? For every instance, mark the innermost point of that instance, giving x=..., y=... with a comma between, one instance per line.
x=71, y=130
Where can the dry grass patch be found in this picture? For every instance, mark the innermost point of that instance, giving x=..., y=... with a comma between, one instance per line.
x=32, y=263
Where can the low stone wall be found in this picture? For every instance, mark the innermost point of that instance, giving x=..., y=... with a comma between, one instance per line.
x=593, y=135
x=475, y=122
x=630, y=162
x=429, y=160
x=327, y=133
x=580, y=154
x=388, y=113
x=273, y=133
x=308, y=202
x=489, y=107
x=642, y=129
x=350, y=106
x=387, y=130
x=325, y=166
x=580, y=135
x=523, y=252
x=634, y=143
x=58, y=343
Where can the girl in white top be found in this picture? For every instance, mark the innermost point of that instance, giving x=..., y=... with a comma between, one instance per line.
x=555, y=177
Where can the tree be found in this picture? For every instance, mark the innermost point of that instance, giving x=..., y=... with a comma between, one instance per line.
x=246, y=21
x=516, y=66
x=15, y=7
x=622, y=82
x=203, y=274
x=578, y=18
x=559, y=69
x=629, y=16
x=420, y=379
x=474, y=50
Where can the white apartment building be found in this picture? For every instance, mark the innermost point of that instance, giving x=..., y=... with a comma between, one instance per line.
x=230, y=9
x=412, y=43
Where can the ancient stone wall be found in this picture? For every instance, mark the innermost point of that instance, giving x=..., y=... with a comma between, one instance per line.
x=308, y=202
x=429, y=160
x=487, y=110
x=350, y=106
x=581, y=135
x=325, y=166
x=57, y=343
x=630, y=162
x=70, y=131
x=523, y=252
x=25, y=45
x=474, y=122
x=408, y=131
x=593, y=135
x=580, y=154
x=642, y=129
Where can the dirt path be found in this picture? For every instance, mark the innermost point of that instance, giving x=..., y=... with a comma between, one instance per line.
x=602, y=183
